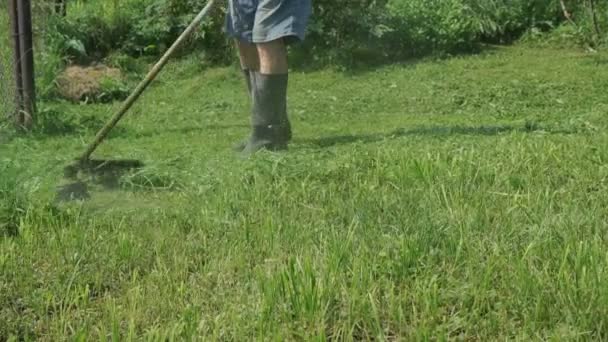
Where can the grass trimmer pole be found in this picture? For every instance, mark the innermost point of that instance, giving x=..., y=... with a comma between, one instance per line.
x=145, y=83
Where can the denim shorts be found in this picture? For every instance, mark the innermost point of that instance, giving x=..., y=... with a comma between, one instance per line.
x=262, y=21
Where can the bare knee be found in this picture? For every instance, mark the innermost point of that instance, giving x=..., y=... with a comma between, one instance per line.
x=248, y=55
x=273, y=57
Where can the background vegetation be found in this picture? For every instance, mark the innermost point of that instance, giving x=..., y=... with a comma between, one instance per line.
x=343, y=32
x=398, y=27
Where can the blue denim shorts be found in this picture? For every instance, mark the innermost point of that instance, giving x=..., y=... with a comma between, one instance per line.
x=262, y=21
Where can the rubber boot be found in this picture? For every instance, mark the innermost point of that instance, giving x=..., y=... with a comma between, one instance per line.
x=270, y=125
x=248, y=80
x=240, y=146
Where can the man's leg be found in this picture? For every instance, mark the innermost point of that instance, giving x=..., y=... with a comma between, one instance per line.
x=272, y=57
x=268, y=24
x=273, y=61
x=271, y=127
x=250, y=62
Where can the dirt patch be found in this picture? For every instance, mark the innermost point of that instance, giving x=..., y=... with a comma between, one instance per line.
x=92, y=83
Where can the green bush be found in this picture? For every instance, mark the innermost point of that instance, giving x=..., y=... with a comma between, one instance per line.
x=426, y=26
x=506, y=20
x=88, y=36
x=342, y=31
x=136, y=27
x=349, y=31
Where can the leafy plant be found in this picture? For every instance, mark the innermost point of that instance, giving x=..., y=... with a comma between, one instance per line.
x=340, y=32
x=112, y=89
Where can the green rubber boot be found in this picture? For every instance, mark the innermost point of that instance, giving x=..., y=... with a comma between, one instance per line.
x=270, y=125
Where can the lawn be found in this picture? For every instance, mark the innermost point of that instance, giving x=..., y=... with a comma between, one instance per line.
x=462, y=198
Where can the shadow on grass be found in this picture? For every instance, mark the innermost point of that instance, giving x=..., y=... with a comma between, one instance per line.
x=595, y=60
x=51, y=123
x=82, y=181
x=190, y=129
x=369, y=59
x=437, y=131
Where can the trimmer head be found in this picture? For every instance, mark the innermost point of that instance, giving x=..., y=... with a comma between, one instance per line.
x=76, y=191
x=104, y=172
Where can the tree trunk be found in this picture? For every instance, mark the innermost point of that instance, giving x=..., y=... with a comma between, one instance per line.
x=596, y=23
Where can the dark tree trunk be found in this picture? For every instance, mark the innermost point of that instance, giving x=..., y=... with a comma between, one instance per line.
x=596, y=23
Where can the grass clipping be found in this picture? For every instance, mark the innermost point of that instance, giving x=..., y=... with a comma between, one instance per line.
x=97, y=83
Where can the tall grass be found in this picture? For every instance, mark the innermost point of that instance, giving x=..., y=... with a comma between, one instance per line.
x=13, y=201
x=459, y=199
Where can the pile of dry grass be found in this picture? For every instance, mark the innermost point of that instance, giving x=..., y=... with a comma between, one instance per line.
x=78, y=83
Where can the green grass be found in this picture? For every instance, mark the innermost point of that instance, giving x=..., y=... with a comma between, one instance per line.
x=6, y=73
x=454, y=199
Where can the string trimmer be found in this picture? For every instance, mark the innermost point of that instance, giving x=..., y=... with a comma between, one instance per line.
x=84, y=163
